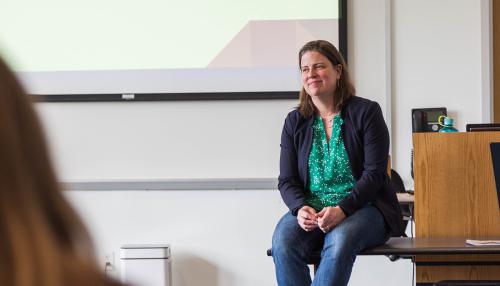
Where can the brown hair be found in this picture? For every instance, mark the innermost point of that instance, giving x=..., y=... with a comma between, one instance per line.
x=42, y=240
x=345, y=87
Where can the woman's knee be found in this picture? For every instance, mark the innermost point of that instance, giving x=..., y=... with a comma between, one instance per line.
x=286, y=237
x=283, y=239
x=281, y=246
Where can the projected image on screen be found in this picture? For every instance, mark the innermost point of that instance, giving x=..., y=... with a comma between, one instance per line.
x=161, y=46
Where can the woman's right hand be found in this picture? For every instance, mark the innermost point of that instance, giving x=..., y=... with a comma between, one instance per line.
x=307, y=218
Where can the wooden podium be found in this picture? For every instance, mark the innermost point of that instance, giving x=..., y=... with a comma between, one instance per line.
x=455, y=196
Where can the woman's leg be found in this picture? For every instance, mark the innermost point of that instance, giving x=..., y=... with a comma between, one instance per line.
x=291, y=246
x=363, y=229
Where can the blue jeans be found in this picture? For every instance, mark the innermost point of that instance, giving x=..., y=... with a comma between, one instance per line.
x=291, y=245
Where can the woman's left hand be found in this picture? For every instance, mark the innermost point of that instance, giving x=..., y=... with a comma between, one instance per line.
x=329, y=217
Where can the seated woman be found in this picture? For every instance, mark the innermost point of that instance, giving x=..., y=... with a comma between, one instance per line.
x=42, y=241
x=333, y=175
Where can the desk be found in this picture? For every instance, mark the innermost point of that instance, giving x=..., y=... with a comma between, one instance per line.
x=409, y=247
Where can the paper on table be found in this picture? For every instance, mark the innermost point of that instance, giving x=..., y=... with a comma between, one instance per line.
x=482, y=242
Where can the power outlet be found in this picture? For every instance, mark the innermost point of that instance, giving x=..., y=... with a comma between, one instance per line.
x=109, y=263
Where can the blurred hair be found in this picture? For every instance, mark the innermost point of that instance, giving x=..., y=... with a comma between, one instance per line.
x=42, y=240
x=345, y=88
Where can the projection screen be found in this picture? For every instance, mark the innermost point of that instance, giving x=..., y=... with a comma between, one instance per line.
x=76, y=50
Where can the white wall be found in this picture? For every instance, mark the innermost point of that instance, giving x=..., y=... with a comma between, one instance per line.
x=165, y=140
x=220, y=237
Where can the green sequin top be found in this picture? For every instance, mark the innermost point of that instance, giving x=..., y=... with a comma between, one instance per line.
x=330, y=174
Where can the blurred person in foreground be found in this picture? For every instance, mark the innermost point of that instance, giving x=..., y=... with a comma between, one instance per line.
x=42, y=240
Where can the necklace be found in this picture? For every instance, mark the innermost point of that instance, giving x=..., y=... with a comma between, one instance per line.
x=328, y=120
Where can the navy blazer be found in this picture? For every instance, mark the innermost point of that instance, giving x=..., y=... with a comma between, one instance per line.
x=366, y=140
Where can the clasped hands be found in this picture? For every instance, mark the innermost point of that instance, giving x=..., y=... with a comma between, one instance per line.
x=326, y=219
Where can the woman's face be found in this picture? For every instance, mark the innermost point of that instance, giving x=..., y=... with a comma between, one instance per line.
x=319, y=76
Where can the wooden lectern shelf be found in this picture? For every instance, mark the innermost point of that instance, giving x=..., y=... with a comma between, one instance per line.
x=455, y=196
